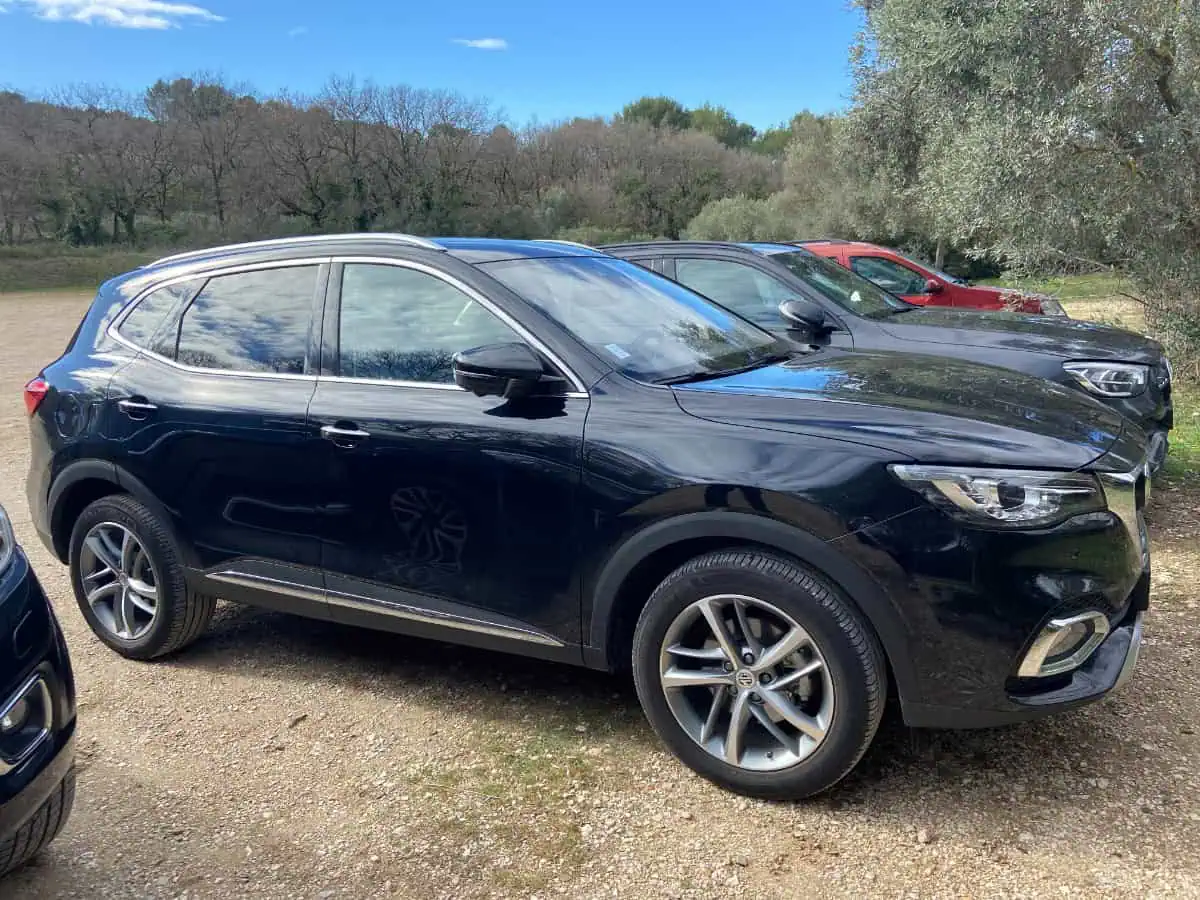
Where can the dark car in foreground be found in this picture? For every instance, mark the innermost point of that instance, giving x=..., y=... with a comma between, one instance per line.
x=832, y=305
x=537, y=448
x=37, y=712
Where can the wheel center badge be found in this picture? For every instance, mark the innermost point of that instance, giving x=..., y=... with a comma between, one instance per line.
x=745, y=678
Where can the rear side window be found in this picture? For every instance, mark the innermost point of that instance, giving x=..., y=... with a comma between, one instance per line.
x=250, y=322
x=145, y=324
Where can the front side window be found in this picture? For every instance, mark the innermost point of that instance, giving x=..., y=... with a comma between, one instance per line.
x=891, y=276
x=400, y=324
x=645, y=326
x=851, y=292
x=744, y=289
x=250, y=322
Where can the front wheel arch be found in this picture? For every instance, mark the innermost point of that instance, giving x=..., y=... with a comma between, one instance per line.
x=617, y=598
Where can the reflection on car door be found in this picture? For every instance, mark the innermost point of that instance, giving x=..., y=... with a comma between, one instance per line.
x=438, y=502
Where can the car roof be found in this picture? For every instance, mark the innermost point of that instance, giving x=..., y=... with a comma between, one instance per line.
x=675, y=245
x=860, y=245
x=469, y=249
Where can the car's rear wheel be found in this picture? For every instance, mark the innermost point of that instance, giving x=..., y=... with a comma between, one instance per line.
x=41, y=829
x=759, y=674
x=129, y=582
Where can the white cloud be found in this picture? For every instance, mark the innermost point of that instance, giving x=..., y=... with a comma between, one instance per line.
x=483, y=43
x=152, y=14
x=297, y=31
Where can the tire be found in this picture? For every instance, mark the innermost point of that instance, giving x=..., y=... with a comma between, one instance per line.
x=41, y=829
x=847, y=691
x=181, y=614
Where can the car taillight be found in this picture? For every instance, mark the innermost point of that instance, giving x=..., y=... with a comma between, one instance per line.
x=35, y=393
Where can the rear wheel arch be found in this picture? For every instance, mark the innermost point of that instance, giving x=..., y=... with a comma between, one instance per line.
x=84, y=482
x=635, y=569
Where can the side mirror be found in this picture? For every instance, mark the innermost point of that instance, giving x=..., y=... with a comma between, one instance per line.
x=933, y=286
x=510, y=371
x=804, y=314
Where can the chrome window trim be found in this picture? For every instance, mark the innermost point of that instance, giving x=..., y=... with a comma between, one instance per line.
x=112, y=330
x=579, y=392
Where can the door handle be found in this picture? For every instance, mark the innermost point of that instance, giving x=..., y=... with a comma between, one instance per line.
x=343, y=437
x=136, y=408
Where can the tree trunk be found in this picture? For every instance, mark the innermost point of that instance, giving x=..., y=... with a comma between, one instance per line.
x=939, y=259
x=116, y=233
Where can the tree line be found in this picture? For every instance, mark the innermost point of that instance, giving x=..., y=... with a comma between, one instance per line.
x=197, y=159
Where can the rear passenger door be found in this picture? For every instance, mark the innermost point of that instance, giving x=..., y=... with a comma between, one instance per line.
x=211, y=418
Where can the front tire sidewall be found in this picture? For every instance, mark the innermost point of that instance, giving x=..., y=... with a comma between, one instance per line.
x=127, y=512
x=857, y=676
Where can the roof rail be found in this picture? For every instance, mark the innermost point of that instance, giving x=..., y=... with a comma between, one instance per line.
x=819, y=241
x=567, y=243
x=409, y=239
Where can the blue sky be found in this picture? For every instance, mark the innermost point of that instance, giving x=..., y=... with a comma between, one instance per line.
x=532, y=58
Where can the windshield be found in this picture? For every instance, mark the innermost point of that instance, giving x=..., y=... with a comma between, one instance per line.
x=647, y=327
x=921, y=264
x=834, y=282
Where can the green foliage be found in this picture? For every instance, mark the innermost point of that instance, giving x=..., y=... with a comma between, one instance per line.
x=743, y=219
x=38, y=267
x=1060, y=136
x=660, y=112
x=722, y=125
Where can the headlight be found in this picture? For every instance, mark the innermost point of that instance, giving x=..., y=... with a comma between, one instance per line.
x=1106, y=379
x=8, y=542
x=1001, y=498
x=1051, y=307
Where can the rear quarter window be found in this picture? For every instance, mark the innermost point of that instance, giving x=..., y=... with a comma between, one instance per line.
x=146, y=324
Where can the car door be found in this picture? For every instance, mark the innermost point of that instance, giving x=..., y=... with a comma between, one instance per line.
x=443, y=509
x=748, y=291
x=210, y=418
x=900, y=280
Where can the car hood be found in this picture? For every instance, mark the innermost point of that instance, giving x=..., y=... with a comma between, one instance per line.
x=1052, y=335
x=930, y=409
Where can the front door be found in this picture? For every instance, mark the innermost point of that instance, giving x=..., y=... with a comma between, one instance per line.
x=439, y=503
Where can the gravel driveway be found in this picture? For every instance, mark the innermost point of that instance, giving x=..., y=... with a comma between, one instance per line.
x=284, y=758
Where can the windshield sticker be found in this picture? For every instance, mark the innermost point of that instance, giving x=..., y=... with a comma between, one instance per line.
x=617, y=350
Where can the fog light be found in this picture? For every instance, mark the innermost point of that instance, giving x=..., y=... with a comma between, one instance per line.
x=15, y=717
x=1064, y=645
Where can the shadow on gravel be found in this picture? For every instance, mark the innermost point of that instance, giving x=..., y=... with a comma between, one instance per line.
x=1032, y=775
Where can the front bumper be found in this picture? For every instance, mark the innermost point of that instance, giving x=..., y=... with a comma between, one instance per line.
x=975, y=601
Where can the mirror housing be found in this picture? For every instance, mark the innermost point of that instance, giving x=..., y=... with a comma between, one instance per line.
x=804, y=315
x=509, y=370
x=933, y=286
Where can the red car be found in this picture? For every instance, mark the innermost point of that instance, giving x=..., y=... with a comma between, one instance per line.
x=926, y=286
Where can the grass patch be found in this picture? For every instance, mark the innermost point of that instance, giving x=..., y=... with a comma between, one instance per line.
x=66, y=268
x=1183, y=462
x=1097, y=286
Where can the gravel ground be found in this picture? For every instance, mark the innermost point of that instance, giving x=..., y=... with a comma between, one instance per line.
x=285, y=758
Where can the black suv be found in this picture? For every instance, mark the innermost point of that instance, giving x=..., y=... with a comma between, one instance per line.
x=829, y=304
x=538, y=448
x=37, y=712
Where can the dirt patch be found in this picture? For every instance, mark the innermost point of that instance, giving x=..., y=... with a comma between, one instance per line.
x=286, y=758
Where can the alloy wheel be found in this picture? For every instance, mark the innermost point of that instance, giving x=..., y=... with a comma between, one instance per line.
x=118, y=580
x=746, y=682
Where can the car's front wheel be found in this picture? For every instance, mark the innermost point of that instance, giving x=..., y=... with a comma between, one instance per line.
x=759, y=674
